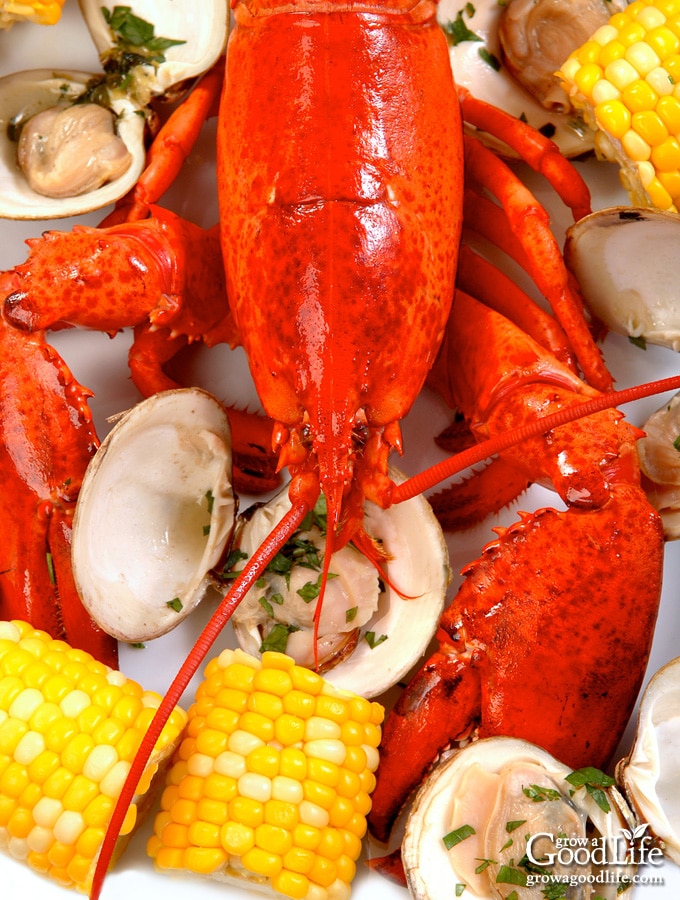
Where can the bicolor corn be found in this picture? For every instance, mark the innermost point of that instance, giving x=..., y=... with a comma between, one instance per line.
x=69, y=730
x=43, y=12
x=271, y=784
x=626, y=81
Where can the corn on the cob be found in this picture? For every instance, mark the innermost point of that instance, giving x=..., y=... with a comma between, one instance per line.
x=69, y=729
x=272, y=783
x=43, y=12
x=626, y=80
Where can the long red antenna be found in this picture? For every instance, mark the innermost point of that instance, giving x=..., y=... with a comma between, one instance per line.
x=423, y=481
x=251, y=572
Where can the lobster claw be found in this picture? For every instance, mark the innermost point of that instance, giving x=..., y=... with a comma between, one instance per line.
x=556, y=591
x=443, y=699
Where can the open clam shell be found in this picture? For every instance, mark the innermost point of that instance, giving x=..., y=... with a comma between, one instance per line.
x=154, y=515
x=498, y=816
x=627, y=263
x=479, y=65
x=201, y=40
x=650, y=774
x=660, y=463
x=374, y=629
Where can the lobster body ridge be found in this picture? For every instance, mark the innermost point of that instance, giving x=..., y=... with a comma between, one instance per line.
x=340, y=227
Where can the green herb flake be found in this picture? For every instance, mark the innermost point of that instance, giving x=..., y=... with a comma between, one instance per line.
x=538, y=793
x=555, y=891
x=490, y=59
x=234, y=557
x=456, y=30
x=137, y=645
x=676, y=443
x=513, y=825
x=266, y=606
x=638, y=341
x=210, y=500
x=310, y=590
x=130, y=31
x=510, y=875
x=457, y=835
x=175, y=604
x=277, y=639
x=506, y=845
x=484, y=864
x=372, y=640
x=351, y=614
x=459, y=889
x=206, y=530
x=594, y=781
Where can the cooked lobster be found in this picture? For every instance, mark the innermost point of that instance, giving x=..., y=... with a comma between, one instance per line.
x=340, y=174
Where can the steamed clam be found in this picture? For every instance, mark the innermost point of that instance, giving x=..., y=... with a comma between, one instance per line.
x=502, y=817
x=507, y=803
x=660, y=463
x=154, y=515
x=626, y=262
x=492, y=43
x=86, y=147
x=373, y=627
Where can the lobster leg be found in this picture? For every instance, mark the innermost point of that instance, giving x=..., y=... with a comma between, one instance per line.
x=40, y=483
x=530, y=224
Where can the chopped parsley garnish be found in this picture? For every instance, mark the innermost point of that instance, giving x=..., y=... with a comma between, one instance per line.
x=510, y=875
x=457, y=835
x=538, y=794
x=175, y=604
x=594, y=781
x=490, y=59
x=277, y=639
x=456, y=30
x=351, y=614
x=676, y=443
x=639, y=341
x=373, y=641
x=137, y=36
x=210, y=499
x=512, y=825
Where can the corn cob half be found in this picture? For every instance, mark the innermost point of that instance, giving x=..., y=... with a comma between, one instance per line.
x=69, y=730
x=626, y=82
x=271, y=784
x=43, y=12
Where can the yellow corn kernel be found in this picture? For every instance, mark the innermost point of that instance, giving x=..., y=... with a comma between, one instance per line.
x=639, y=114
x=650, y=127
x=41, y=12
x=287, y=825
x=613, y=117
x=236, y=838
x=53, y=799
x=670, y=181
x=639, y=96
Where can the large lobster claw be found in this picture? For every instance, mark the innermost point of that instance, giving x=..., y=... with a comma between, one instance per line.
x=549, y=635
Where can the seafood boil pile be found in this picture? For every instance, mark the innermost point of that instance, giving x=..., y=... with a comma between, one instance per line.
x=100, y=362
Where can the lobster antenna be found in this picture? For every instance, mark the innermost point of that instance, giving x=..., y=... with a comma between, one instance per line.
x=248, y=576
x=428, y=478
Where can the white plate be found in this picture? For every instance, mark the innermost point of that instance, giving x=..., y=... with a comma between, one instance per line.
x=100, y=363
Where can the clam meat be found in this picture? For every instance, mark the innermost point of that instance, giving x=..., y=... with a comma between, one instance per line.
x=74, y=142
x=491, y=42
x=154, y=515
x=659, y=452
x=627, y=265
x=375, y=622
x=502, y=816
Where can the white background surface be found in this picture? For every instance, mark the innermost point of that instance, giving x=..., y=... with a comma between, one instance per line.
x=99, y=363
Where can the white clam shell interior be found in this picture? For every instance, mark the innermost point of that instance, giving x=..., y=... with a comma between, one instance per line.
x=154, y=515
x=407, y=613
x=627, y=263
x=204, y=39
